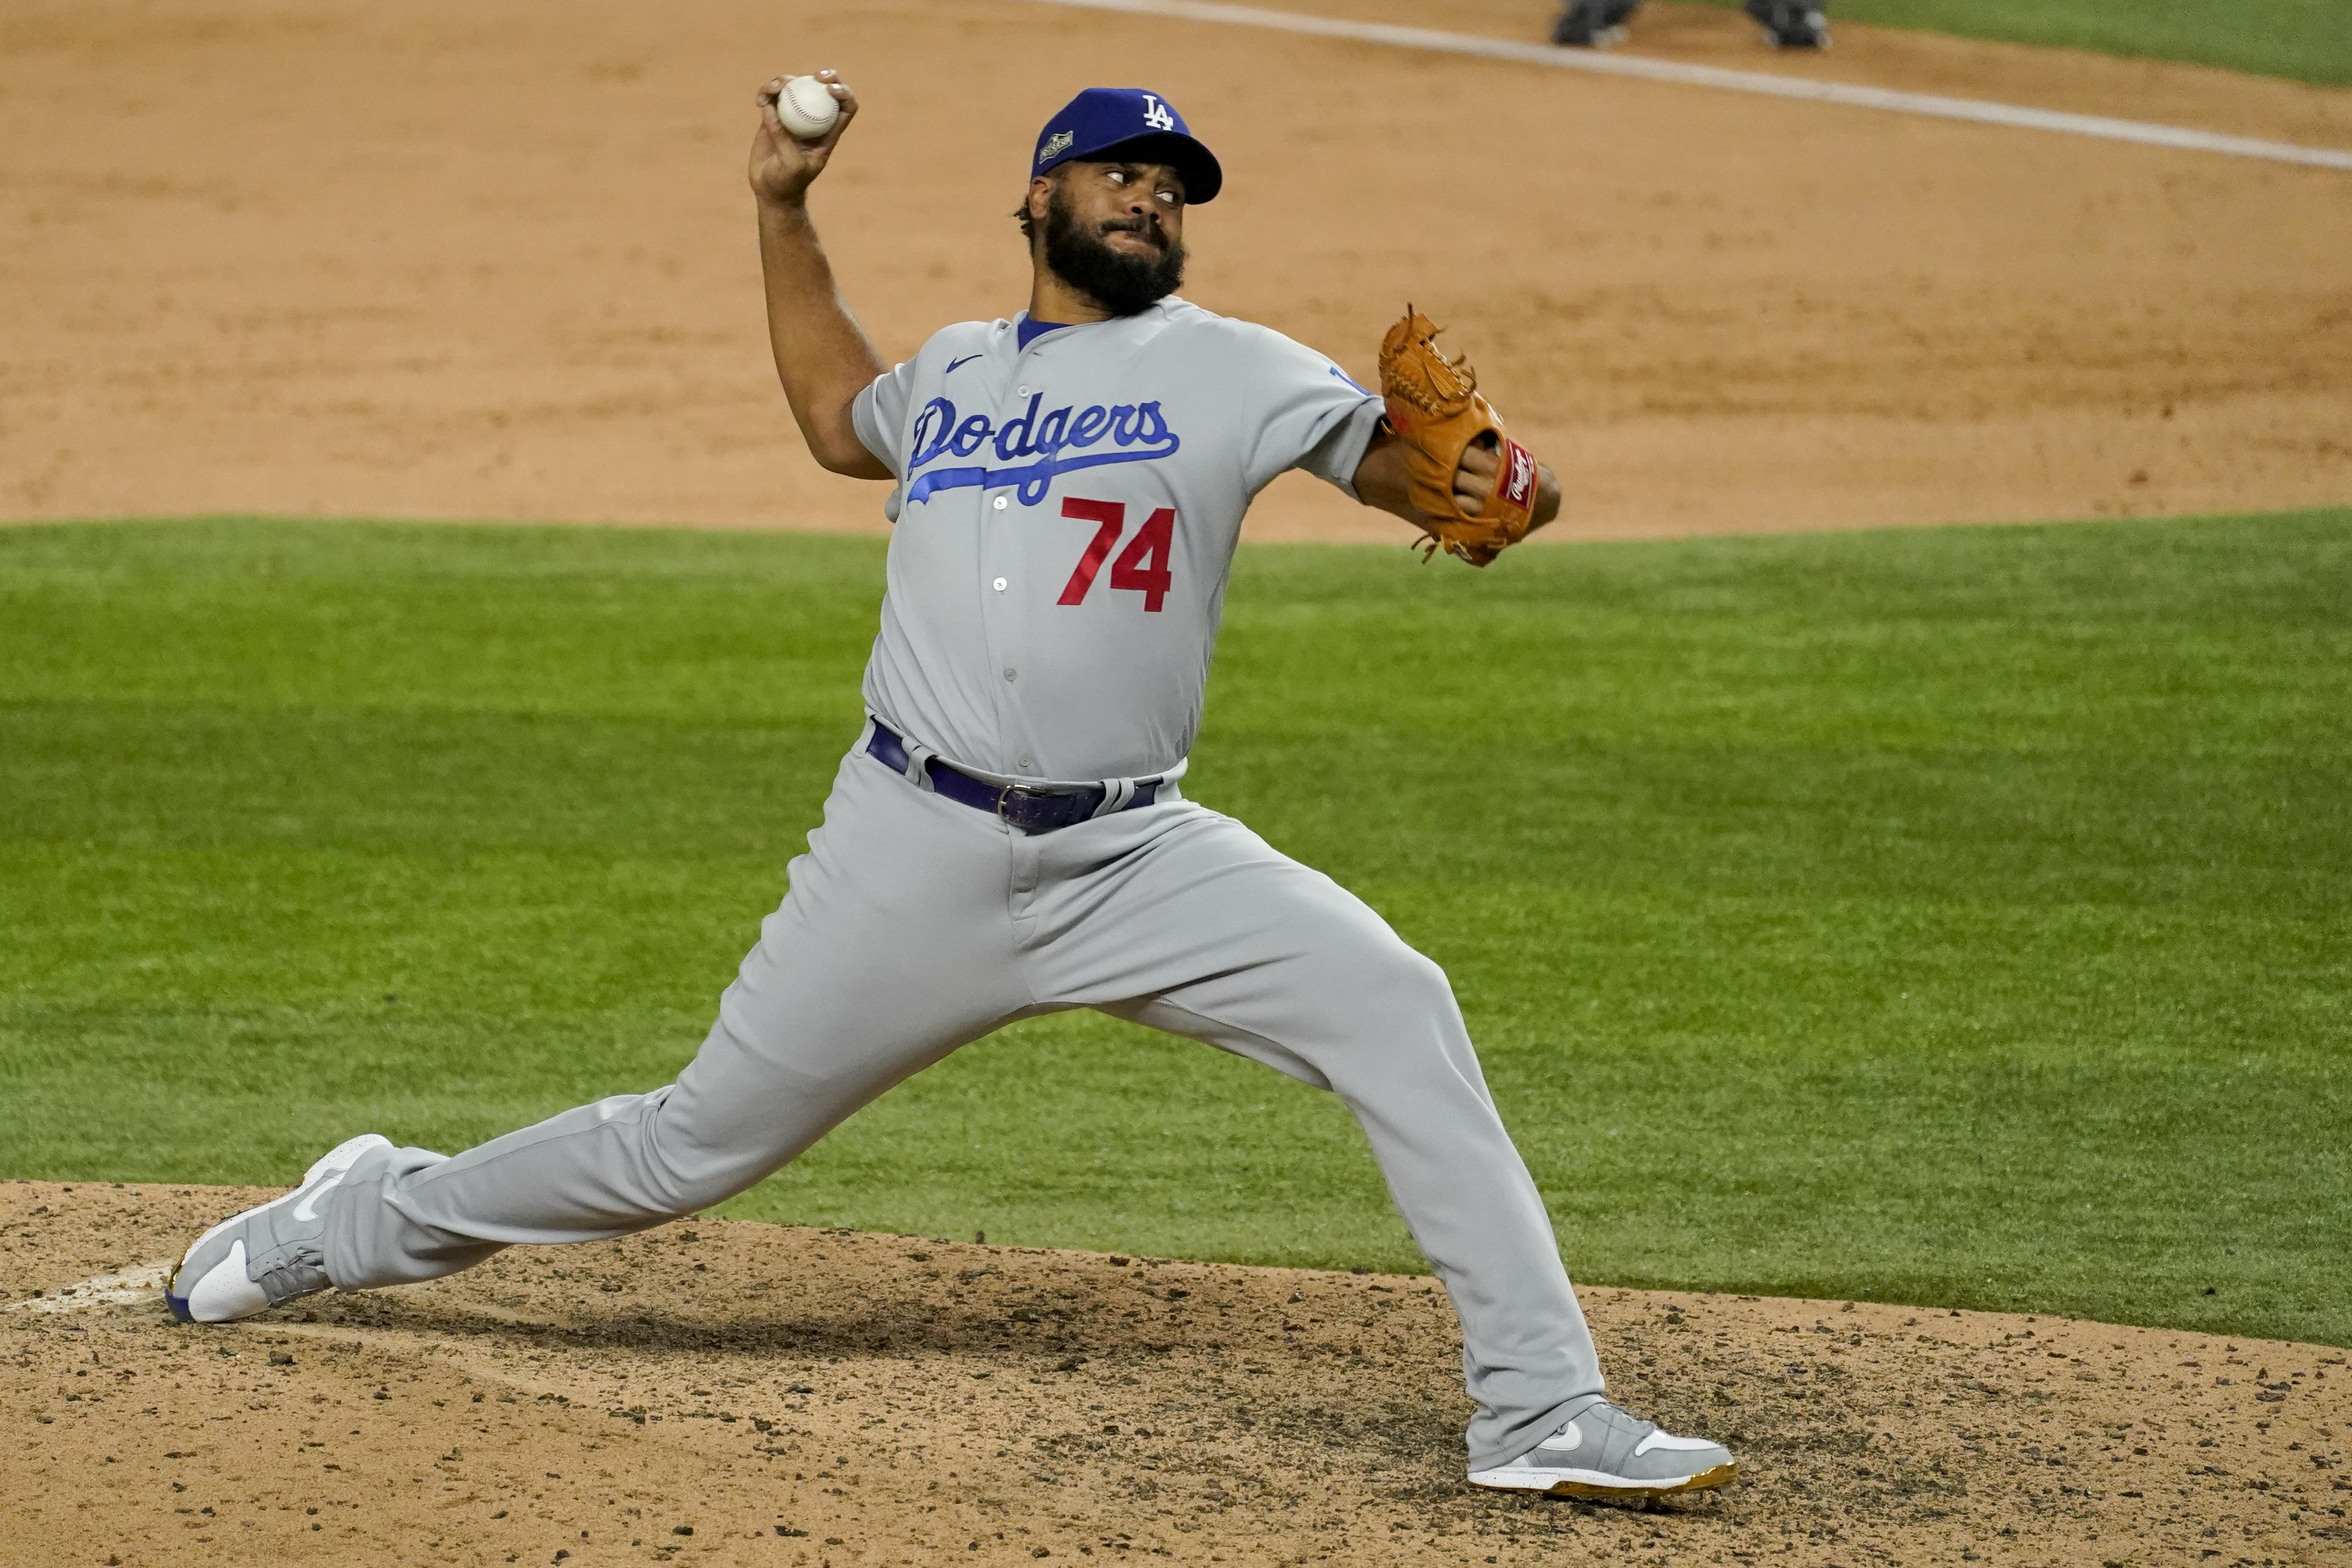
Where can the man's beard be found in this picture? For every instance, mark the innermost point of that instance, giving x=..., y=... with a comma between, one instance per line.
x=1120, y=283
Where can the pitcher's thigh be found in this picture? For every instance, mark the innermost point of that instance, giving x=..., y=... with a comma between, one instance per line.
x=892, y=949
x=1221, y=936
x=811, y=1032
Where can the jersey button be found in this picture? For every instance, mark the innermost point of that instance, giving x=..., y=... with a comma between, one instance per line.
x=999, y=502
x=1000, y=585
x=1009, y=672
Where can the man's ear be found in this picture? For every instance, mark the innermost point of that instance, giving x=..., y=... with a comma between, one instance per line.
x=1041, y=197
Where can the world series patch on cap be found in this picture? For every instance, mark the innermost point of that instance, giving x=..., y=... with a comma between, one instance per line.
x=1105, y=124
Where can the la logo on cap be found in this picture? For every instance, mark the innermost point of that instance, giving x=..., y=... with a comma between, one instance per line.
x=1156, y=115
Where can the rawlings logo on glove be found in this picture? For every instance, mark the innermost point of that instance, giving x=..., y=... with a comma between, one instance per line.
x=1435, y=410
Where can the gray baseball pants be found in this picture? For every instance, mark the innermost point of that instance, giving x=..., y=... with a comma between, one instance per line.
x=915, y=924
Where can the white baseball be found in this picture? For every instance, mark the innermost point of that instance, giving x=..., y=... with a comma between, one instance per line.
x=807, y=107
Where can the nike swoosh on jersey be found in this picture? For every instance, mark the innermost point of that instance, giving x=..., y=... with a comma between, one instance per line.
x=953, y=363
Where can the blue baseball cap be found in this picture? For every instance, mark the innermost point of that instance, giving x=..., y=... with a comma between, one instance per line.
x=1108, y=124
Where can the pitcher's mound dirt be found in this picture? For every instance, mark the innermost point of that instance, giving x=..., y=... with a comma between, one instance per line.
x=725, y=1392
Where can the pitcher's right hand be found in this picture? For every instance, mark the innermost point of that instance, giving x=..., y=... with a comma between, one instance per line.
x=781, y=166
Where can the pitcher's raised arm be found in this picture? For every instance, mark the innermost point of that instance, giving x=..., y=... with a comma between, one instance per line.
x=821, y=356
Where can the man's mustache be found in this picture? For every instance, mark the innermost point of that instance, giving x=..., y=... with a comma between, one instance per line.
x=1147, y=227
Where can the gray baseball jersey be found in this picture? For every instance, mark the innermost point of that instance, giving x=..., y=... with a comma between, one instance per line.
x=1066, y=514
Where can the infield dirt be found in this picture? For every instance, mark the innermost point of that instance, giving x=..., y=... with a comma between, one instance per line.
x=735, y=1392
x=447, y=259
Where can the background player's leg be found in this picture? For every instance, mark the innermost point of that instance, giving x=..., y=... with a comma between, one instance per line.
x=1203, y=929
x=892, y=949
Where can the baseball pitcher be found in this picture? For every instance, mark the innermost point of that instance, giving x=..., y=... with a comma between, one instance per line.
x=1009, y=836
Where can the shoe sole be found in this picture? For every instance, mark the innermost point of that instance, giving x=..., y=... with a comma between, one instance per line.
x=1590, y=1483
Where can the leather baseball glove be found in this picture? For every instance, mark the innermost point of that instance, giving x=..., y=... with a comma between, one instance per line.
x=1435, y=410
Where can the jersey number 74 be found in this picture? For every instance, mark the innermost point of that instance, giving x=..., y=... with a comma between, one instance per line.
x=1142, y=566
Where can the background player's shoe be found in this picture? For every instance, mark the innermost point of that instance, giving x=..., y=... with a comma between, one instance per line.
x=1604, y=1451
x=251, y=1261
x=1593, y=24
x=1791, y=23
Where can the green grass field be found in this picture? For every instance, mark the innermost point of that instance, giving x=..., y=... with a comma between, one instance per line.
x=2307, y=40
x=1946, y=916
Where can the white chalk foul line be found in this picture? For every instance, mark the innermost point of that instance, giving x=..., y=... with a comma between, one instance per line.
x=1846, y=93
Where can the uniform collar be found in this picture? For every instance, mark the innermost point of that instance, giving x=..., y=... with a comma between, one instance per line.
x=1026, y=331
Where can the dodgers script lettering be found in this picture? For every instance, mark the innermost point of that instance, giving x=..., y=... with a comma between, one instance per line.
x=1056, y=441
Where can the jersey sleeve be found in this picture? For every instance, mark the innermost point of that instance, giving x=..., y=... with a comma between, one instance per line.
x=879, y=414
x=1303, y=412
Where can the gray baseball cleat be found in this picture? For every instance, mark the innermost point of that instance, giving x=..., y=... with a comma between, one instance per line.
x=250, y=1262
x=1604, y=1451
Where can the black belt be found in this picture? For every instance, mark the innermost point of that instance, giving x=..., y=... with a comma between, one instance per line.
x=1027, y=807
